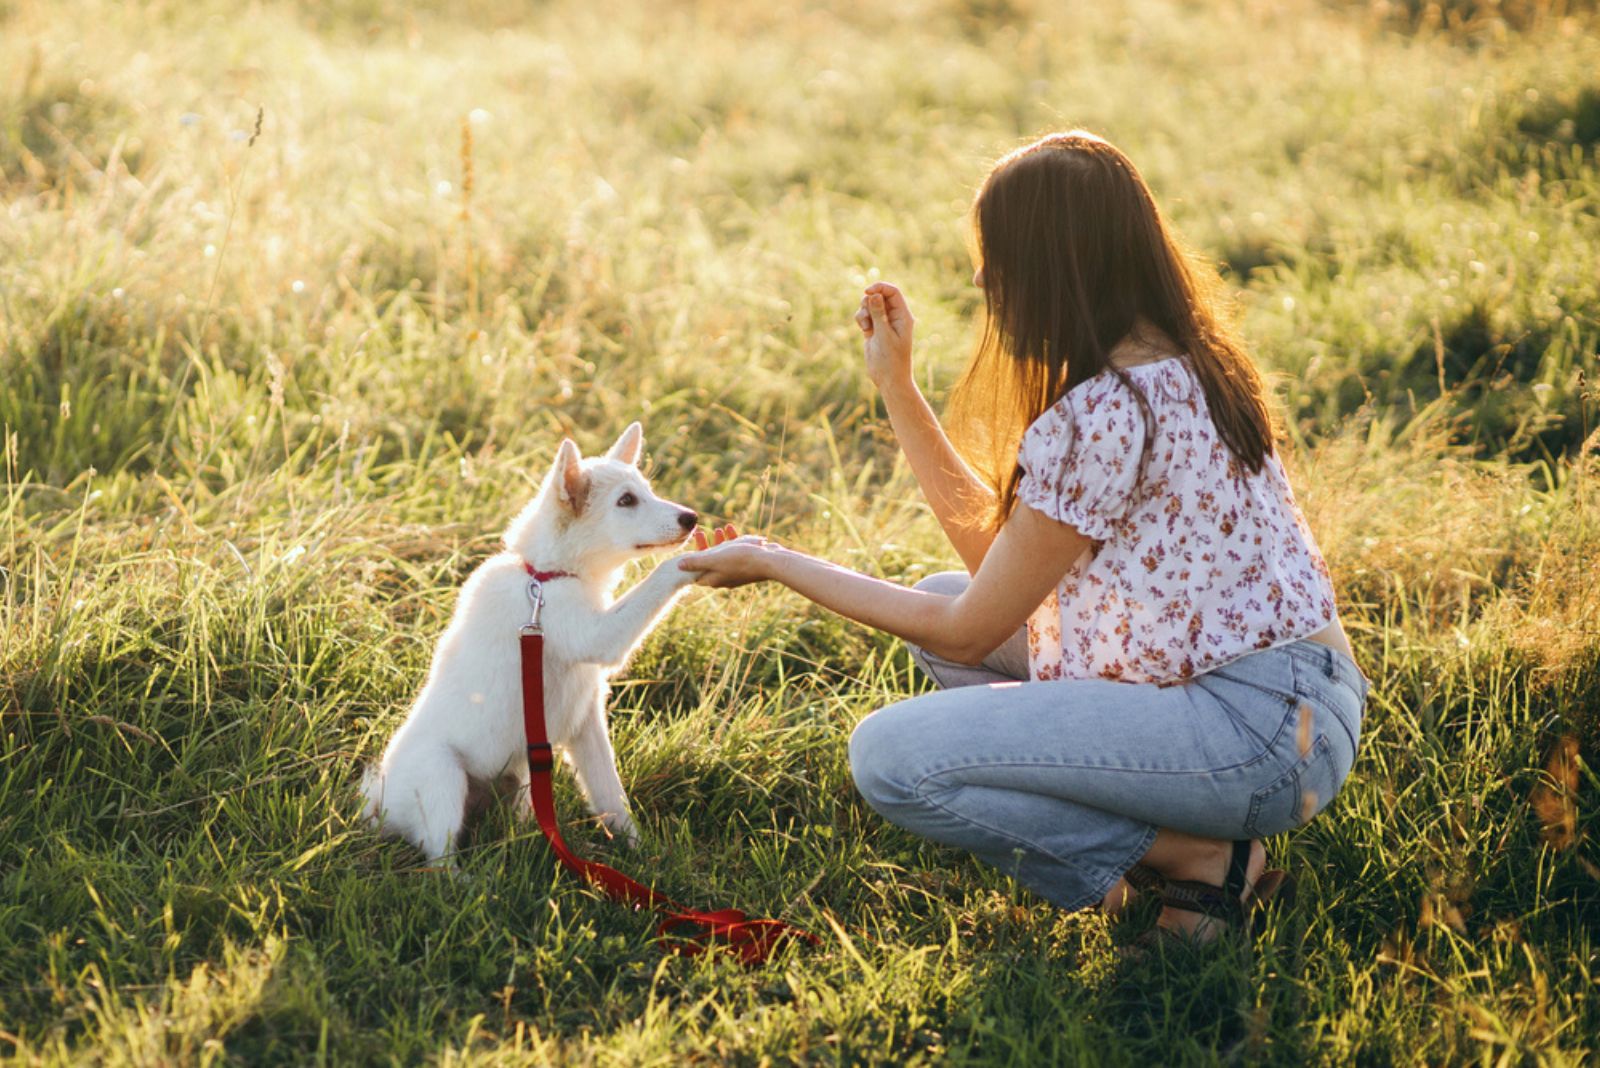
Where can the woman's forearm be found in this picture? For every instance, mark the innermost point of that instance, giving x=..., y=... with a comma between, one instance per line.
x=924, y=619
x=1025, y=562
x=956, y=494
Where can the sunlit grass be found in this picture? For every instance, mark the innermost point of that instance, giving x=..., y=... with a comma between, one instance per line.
x=266, y=404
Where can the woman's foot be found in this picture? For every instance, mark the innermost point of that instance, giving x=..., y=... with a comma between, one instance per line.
x=1137, y=880
x=1118, y=899
x=1182, y=857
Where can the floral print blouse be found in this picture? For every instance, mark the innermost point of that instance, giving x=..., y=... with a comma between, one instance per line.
x=1192, y=565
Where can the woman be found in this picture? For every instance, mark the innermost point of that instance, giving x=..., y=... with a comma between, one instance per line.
x=1136, y=558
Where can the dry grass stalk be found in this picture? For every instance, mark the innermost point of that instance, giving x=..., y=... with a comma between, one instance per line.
x=125, y=728
x=1439, y=910
x=469, y=267
x=1308, y=800
x=1555, y=798
x=1308, y=805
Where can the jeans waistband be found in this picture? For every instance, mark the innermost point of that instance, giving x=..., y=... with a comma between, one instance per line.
x=1331, y=663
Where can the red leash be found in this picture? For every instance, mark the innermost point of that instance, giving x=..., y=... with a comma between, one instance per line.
x=685, y=931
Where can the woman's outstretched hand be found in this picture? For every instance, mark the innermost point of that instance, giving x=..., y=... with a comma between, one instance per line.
x=885, y=318
x=728, y=562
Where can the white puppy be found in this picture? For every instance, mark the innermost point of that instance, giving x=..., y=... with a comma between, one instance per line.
x=465, y=730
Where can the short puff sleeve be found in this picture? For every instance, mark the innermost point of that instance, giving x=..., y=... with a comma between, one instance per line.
x=1080, y=460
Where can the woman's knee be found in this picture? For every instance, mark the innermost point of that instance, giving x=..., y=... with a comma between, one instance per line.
x=877, y=759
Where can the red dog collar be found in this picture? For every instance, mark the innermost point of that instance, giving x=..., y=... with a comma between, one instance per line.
x=545, y=576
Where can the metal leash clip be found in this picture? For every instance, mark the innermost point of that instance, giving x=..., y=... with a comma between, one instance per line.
x=536, y=598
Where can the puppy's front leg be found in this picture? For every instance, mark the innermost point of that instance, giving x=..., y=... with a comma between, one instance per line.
x=630, y=619
x=596, y=767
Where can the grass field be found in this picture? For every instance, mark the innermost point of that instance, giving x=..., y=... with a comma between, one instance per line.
x=297, y=299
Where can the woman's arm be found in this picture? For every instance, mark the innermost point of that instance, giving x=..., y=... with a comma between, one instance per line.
x=1027, y=559
x=955, y=493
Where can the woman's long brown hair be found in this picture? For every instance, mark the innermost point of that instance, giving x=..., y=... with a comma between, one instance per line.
x=1074, y=255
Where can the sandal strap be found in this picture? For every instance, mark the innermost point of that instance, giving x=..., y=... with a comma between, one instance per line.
x=1145, y=880
x=1238, y=865
x=1204, y=898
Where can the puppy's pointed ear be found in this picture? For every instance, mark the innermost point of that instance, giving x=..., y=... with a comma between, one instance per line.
x=629, y=445
x=572, y=485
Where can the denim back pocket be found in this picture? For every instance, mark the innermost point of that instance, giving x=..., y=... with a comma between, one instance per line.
x=1270, y=672
x=1297, y=795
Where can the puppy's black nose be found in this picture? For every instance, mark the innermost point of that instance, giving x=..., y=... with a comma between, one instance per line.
x=687, y=520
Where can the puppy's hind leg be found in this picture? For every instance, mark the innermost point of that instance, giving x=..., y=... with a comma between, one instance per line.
x=596, y=767
x=428, y=807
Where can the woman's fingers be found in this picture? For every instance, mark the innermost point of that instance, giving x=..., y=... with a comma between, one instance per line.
x=878, y=311
x=864, y=318
x=893, y=299
x=718, y=536
x=888, y=307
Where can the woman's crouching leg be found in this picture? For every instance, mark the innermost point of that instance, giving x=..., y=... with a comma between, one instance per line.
x=927, y=766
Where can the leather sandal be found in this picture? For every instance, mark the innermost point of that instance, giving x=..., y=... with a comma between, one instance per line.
x=1228, y=902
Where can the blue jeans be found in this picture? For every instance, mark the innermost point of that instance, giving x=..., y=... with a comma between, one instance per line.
x=1063, y=785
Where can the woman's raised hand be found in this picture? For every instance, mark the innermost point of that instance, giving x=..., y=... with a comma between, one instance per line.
x=885, y=318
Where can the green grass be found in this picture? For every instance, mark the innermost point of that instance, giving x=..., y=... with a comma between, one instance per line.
x=266, y=402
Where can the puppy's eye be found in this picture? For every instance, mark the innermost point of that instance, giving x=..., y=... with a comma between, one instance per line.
x=627, y=500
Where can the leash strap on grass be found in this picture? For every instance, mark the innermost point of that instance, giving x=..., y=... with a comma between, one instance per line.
x=684, y=931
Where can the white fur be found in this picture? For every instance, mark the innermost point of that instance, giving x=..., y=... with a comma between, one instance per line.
x=465, y=730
